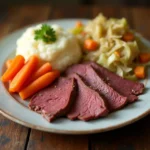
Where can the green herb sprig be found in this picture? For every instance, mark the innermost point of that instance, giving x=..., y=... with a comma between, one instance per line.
x=46, y=33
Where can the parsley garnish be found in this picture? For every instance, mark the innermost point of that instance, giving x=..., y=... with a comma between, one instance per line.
x=46, y=33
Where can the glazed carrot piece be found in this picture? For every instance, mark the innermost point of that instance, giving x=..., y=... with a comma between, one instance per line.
x=8, y=63
x=144, y=57
x=90, y=45
x=139, y=71
x=23, y=75
x=128, y=37
x=41, y=71
x=14, y=68
x=39, y=84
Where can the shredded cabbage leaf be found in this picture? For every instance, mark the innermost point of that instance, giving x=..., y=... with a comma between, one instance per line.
x=103, y=27
x=106, y=56
x=113, y=53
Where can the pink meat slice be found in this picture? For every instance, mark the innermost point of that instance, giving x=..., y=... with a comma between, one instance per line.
x=125, y=87
x=55, y=100
x=89, y=104
x=112, y=98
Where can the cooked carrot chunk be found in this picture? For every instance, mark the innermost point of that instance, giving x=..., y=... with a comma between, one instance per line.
x=128, y=37
x=140, y=72
x=90, y=45
x=144, y=57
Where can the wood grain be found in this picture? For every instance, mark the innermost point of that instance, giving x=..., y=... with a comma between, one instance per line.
x=141, y=21
x=20, y=16
x=132, y=137
x=46, y=141
x=12, y=135
x=76, y=11
x=110, y=12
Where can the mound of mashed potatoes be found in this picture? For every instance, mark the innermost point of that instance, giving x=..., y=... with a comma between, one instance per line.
x=64, y=52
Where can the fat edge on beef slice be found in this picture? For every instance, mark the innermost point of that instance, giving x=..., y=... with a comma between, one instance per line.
x=113, y=99
x=88, y=104
x=55, y=100
x=125, y=87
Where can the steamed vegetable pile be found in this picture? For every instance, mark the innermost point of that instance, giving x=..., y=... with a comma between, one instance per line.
x=112, y=44
x=27, y=78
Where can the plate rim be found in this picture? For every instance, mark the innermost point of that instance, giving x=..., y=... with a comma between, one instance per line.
x=79, y=132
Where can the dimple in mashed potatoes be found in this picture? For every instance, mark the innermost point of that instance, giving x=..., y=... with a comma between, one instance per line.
x=62, y=53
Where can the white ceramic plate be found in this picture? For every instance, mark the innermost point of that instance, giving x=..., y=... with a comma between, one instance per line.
x=16, y=109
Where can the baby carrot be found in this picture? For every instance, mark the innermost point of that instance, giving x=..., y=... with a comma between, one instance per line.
x=139, y=71
x=90, y=45
x=38, y=84
x=41, y=71
x=8, y=63
x=14, y=68
x=23, y=75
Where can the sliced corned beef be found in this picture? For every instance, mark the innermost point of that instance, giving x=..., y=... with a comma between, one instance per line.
x=88, y=105
x=113, y=99
x=54, y=100
x=125, y=87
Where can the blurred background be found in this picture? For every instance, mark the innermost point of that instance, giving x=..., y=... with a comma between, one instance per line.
x=86, y=2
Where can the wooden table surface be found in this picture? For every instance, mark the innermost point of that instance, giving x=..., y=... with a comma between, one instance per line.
x=16, y=137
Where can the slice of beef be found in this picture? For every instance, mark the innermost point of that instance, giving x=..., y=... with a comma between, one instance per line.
x=113, y=99
x=88, y=105
x=54, y=100
x=125, y=87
